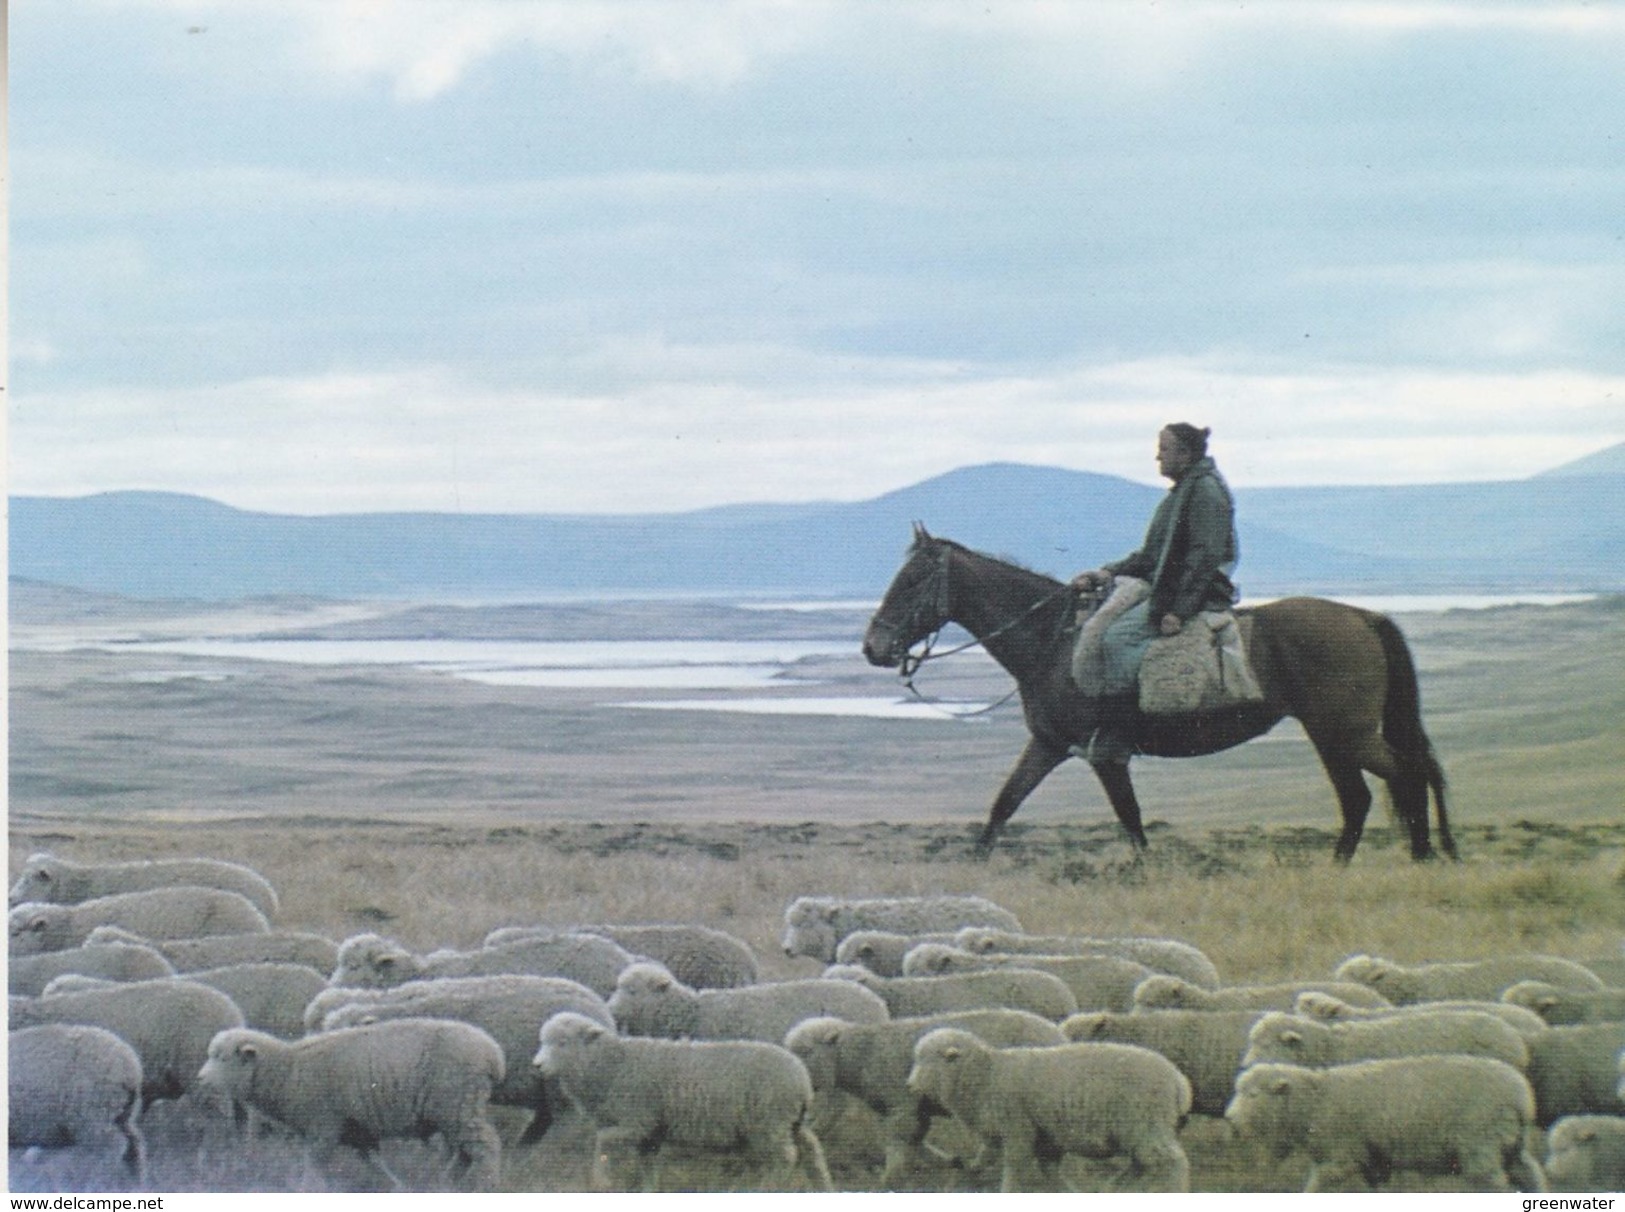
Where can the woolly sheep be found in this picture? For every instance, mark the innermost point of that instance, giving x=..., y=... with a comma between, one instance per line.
x=1315, y=1043
x=1040, y=993
x=1098, y=982
x=1159, y=954
x=508, y=1008
x=1326, y=1007
x=158, y=913
x=883, y=951
x=699, y=956
x=223, y=950
x=590, y=959
x=272, y=997
x=168, y=1022
x=357, y=1087
x=1586, y=1153
x=738, y=1097
x=1566, y=1007
x=1093, y=1100
x=649, y=1000
x=1483, y=979
x=815, y=925
x=1575, y=1070
x=1205, y=1045
x=871, y=1062
x=75, y=1085
x=1171, y=993
x=58, y=881
x=1463, y=1115
x=27, y=975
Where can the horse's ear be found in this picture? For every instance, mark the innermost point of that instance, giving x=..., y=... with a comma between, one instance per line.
x=920, y=535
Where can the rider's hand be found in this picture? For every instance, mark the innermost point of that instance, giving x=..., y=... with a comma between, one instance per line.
x=1170, y=625
x=1092, y=579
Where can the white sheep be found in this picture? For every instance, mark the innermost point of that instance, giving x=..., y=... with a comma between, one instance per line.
x=1463, y=1115
x=1332, y=1009
x=1482, y=979
x=815, y=925
x=739, y=1097
x=1098, y=982
x=1159, y=954
x=59, y=881
x=699, y=956
x=1205, y=1045
x=27, y=975
x=1091, y=1100
x=1291, y=1039
x=509, y=1008
x=357, y=1087
x=223, y=950
x=871, y=1063
x=1575, y=1070
x=883, y=951
x=1170, y=993
x=158, y=913
x=272, y=996
x=589, y=959
x=1586, y=1153
x=1566, y=1007
x=1040, y=993
x=648, y=1000
x=168, y=1022
x=75, y=1085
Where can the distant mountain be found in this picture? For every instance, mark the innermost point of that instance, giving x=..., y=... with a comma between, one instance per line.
x=1610, y=461
x=1549, y=531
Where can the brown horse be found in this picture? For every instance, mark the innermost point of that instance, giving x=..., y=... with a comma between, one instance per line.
x=1346, y=674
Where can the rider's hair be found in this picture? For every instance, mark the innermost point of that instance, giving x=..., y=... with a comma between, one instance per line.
x=1190, y=437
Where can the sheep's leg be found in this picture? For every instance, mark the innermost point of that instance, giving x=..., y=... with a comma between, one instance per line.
x=811, y=1153
x=1163, y=1166
x=1523, y=1170
x=1022, y=1171
x=1324, y=1176
x=478, y=1151
x=613, y=1143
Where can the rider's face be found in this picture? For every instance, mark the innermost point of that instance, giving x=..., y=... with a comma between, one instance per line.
x=1172, y=457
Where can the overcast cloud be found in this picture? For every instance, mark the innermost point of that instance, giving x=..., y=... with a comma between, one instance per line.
x=319, y=255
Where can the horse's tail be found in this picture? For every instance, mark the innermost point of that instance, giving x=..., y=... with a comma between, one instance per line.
x=1402, y=725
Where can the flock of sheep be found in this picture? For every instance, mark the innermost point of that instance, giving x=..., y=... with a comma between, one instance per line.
x=969, y=1046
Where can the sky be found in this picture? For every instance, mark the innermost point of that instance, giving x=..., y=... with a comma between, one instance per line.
x=605, y=256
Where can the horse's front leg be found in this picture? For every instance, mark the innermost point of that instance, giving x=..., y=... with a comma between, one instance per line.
x=1032, y=767
x=1119, y=787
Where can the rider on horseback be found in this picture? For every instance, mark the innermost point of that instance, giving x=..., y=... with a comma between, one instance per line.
x=1188, y=555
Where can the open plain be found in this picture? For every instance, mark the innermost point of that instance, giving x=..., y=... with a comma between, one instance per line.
x=431, y=809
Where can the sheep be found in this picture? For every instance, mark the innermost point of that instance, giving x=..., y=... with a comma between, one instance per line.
x=815, y=925
x=1481, y=979
x=648, y=1000
x=1170, y=993
x=223, y=950
x=1566, y=1007
x=27, y=975
x=1205, y=1045
x=699, y=956
x=168, y=1022
x=1093, y=1100
x=1328, y=1008
x=158, y=913
x=1040, y=993
x=1586, y=1153
x=590, y=959
x=744, y=1097
x=1463, y=1115
x=882, y=951
x=1575, y=1070
x=272, y=997
x=1159, y=954
x=1098, y=982
x=357, y=1087
x=75, y=1085
x=871, y=1062
x=1314, y=1043
x=58, y=881
x=508, y=1008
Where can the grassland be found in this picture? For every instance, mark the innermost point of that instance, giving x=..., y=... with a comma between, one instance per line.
x=433, y=810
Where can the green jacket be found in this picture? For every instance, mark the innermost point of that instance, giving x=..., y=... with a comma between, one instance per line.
x=1190, y=548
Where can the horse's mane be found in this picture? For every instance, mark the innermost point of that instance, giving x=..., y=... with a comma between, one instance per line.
x=1007, y=560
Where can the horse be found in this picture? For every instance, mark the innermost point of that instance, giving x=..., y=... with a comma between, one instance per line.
x=1344, y=673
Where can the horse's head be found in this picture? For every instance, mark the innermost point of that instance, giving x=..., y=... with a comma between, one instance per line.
x=915, y=605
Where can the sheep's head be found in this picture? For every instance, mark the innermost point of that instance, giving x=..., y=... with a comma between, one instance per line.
x=567, y=1040
x=1086, y=1026
x=1163, y=992
x=41, y=880
x=1270, y=1105
x=809, y=928
x=32, y=926
x=931, y=959
x=233, y=1057
x=372, y=961
x=1282, y=1038
x=940, y=1061
x=980, y=939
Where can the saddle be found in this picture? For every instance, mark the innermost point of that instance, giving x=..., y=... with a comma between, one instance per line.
x=1203, y=668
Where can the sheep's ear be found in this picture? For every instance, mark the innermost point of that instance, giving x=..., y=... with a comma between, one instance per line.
x=868, y=949
x=1280, y=1086
x=828, y=912
x=38, y=924
x=386, y=961
x=1292, y=1037
x=1544, y=1004
x=951, y=1052
x=248, y=1051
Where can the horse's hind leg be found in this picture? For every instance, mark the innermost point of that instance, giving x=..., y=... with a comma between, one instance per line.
x=1353, y=797
x=1119, y=787
x=1407, y=786
x=1034, y=765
